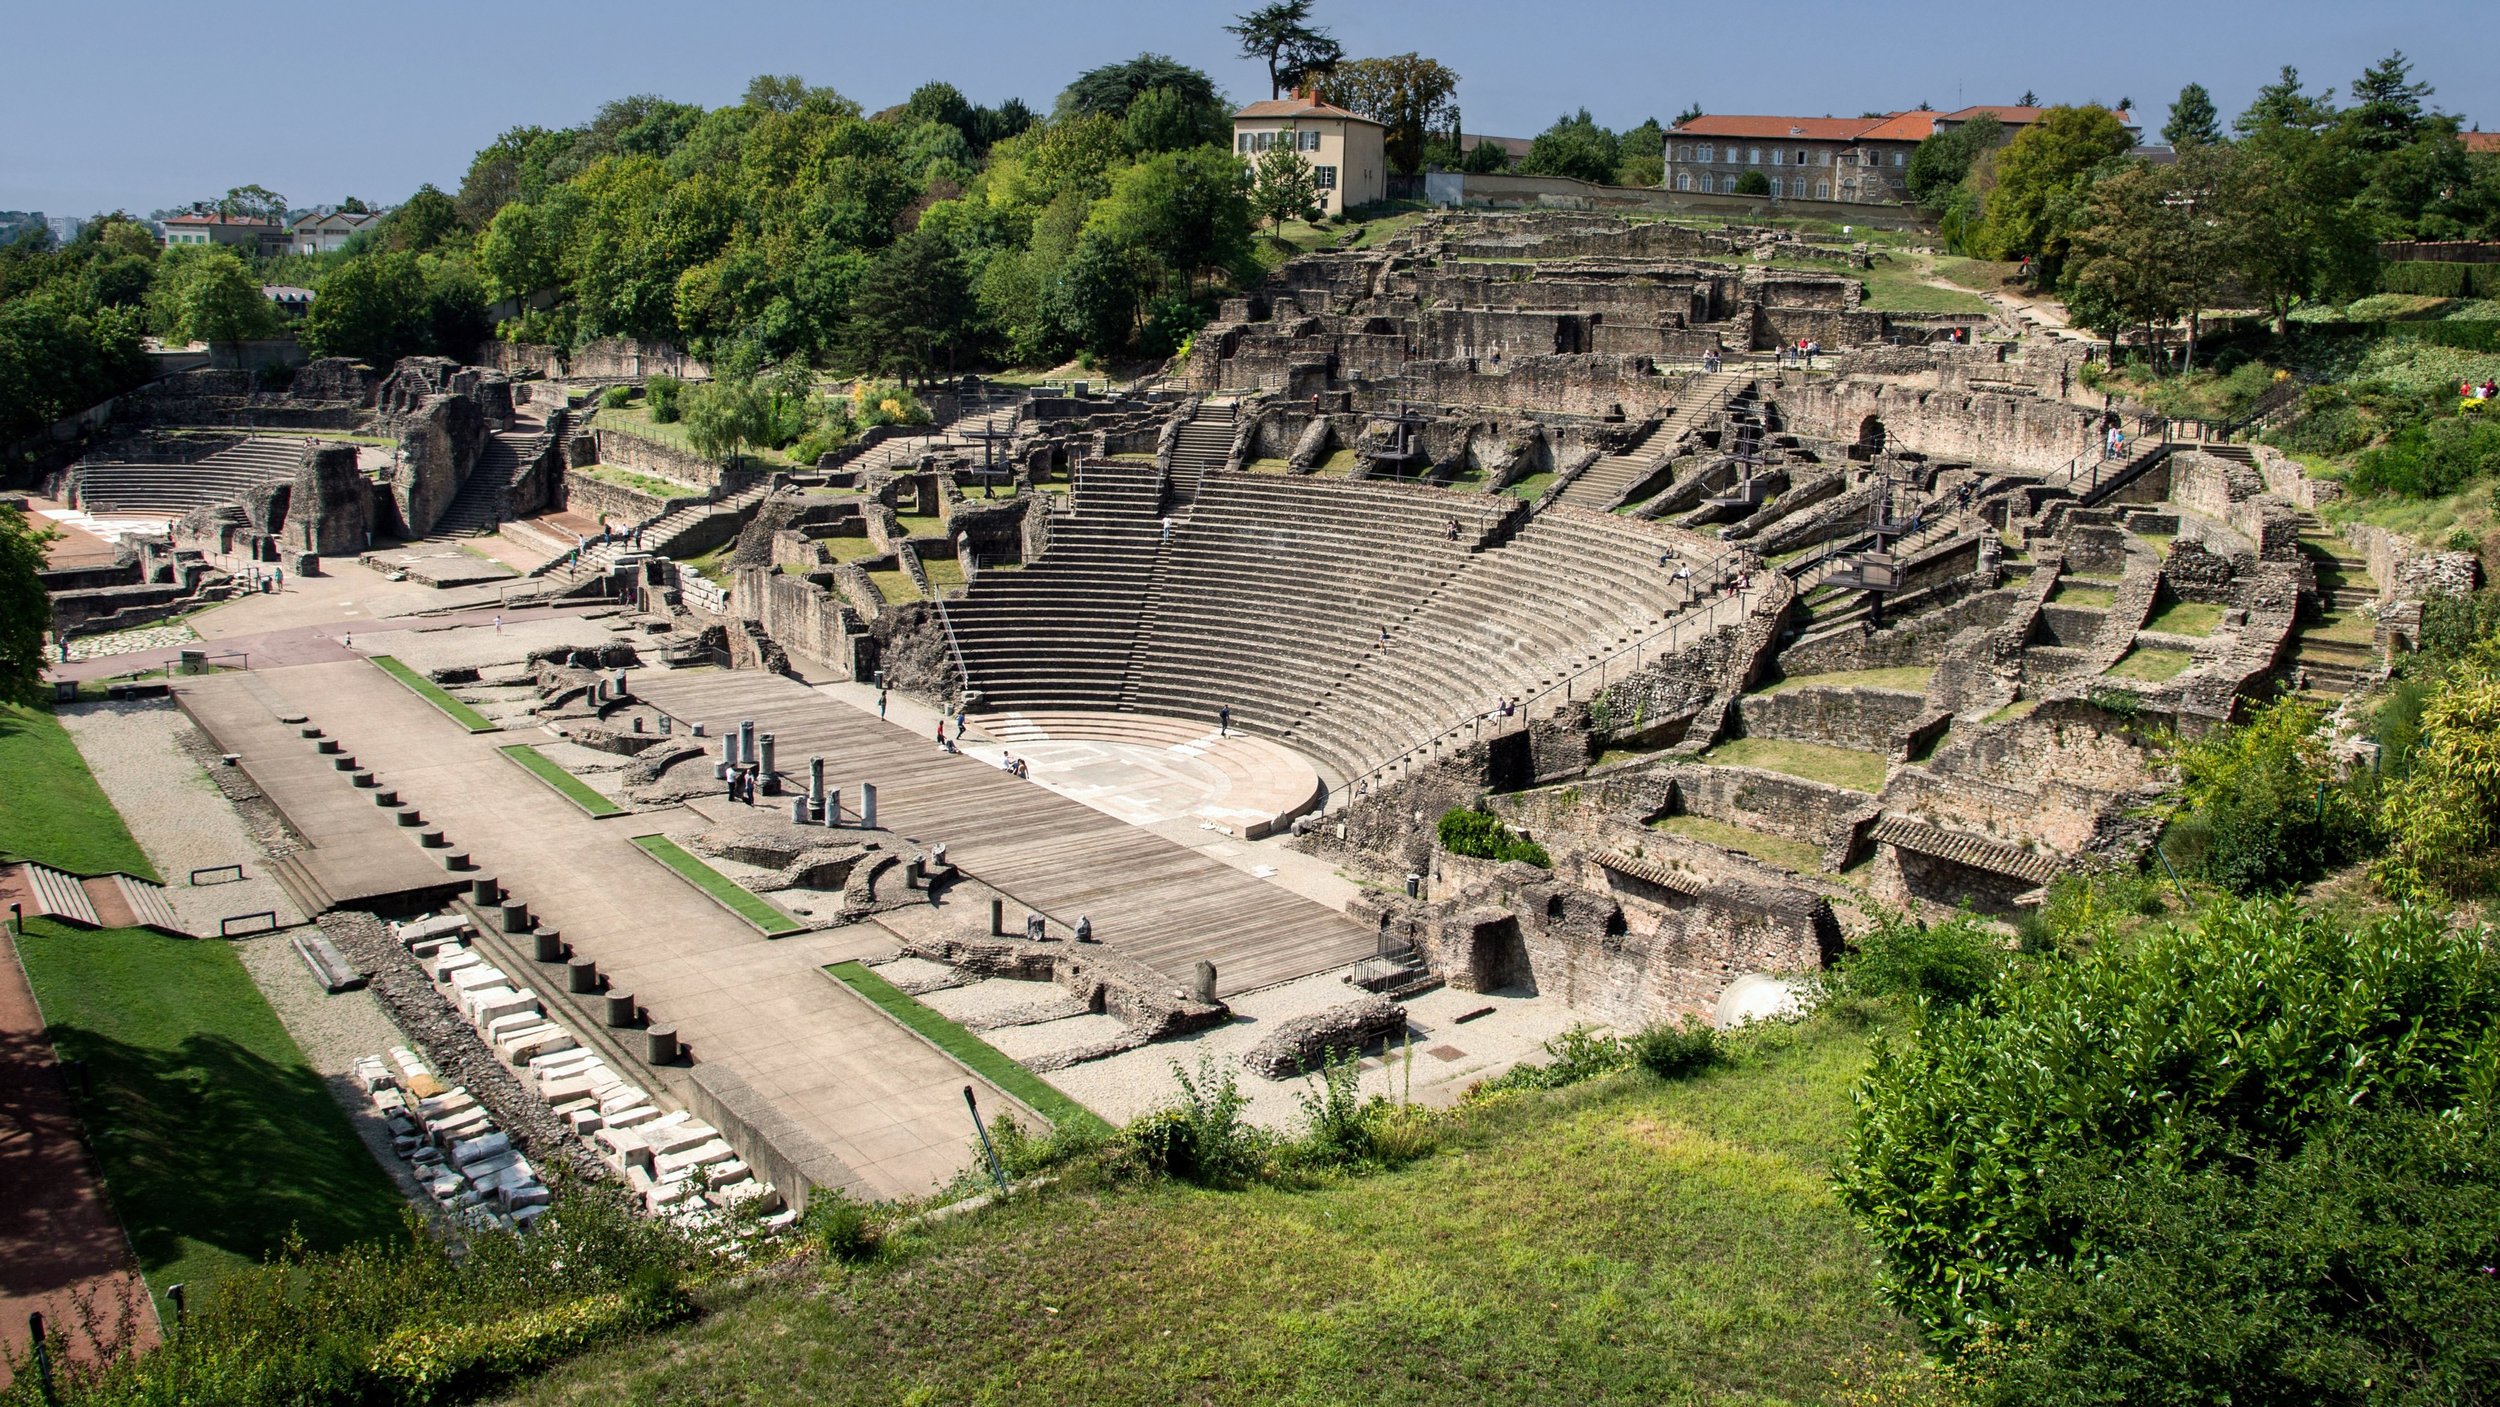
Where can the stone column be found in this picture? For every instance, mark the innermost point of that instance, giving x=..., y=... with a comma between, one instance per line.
x=816, y=786
x=728, y=756
x=798, y=810
x=833, y=807
x=770, y=775
x=1202, y=983
x=746, y=742
x=868, y=805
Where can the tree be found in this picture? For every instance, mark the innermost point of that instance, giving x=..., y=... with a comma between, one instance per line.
x=2040, y=180
x=2388, y=107
x=1691, y=113
x=2287, y=193
x=371, y=309
x=1411, y=96
x=1753, y=183
x=1107, y=91
x=24, y=608
x=1184, y=211
x=2281, y=105
x=208, y=294
x=1165, y=120
x=1939, y=163
x=423, y=221
x=1575, y=146
x=2028, y=99
x=253, y=203
x=1281, y=36
x=724, y=416
x=1282, y=185
x=2193, y=121
x=2443, y=815
x=913, y=314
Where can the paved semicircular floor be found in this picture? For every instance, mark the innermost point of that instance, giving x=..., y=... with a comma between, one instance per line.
x=1144, y=768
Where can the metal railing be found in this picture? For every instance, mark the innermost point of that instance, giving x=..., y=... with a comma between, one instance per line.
x=1668, y=638
x=218, y=869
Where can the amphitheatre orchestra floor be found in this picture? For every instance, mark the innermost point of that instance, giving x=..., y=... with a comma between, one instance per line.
x=1149, y=898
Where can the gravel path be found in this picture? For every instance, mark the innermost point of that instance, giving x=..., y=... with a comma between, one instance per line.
x=144, y=753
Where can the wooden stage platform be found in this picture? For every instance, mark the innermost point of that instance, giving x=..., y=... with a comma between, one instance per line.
x=1149, y=898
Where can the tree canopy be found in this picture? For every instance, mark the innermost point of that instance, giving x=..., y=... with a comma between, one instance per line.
x=1282, y=36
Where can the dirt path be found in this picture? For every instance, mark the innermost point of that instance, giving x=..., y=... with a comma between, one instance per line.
x=59, y=1242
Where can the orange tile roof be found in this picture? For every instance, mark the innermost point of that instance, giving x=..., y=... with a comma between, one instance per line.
x=1820, y=129
x=2480, y=141
x=1301, y=107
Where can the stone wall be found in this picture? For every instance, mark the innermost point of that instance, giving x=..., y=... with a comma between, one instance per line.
x=1773, y=803
x=608, y=359
x=330, y=508
x=2012, y=431
x=1869, y=720
x=1593, y=385
x=2407, y=571
x=647, y=456
x=439, y=441
x=615, y=503
x=1921, y=640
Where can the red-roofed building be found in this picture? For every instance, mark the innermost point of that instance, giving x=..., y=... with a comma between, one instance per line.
x=1346, y=151
x=1863, y=160
x=239, y=231
x=2480, y=141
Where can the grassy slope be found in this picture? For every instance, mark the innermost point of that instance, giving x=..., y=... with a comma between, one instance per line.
x=723, y=890
x=432, y=693
x=1816, y=762
x=215, y=1137
x=51, y=809
x=570, y=787
x=975, y=1053
x=1626, y=1241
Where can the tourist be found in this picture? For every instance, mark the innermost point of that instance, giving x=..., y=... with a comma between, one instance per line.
x=1167, y=527
x=959, y=720
x=1453, y=529
x=1814, y=348
x=1084, y=929
x=278, y=575
x=1224, y=720
x=499, y=625
x=881, y=703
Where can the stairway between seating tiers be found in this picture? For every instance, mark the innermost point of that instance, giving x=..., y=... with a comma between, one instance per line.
x=1606, y=481
x=1205, y=442
x=485, y=497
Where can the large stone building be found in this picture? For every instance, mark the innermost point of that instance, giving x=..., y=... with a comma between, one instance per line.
x=1345, y=150
x=237, y=231
x=1859, y=159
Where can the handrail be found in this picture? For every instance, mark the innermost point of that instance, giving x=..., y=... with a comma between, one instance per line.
x=953, y=646
x=1708, y=613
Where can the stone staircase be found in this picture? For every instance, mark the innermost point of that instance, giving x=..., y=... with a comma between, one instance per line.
x=1605, y=482
x=1205, y=442
x=568, y=573
x=2328, y=658
x=174, y=489
x=486, y=496
x=993, y=413
x=113, y=900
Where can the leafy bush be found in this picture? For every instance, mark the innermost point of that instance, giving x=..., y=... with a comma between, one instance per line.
x=617, y=397
x=2434, y=279
x=843, y=1227
x=1203, y=1138
x=1578, y=1054
x=885, y=403
x=1945, y=963
x=2187, y=1121
x=1677, y=1050
x=2430, y=460
x=414, y=1321
x=2442, y=814
x=1481, y=835
x=2090, y=908
x=2262, y=808
x=662, y=394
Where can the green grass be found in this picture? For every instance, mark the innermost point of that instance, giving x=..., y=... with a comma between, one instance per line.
x=896, y=586
x=1533, y=486
x=1910, y=678
x=2019, y=708
x=969, y=1050
x=568, y=786
x=1816, y=762
x=720, y=888
x=652, y=484
x=51, y=810
x=945, y=571
x=2186, y=618
x=2067, y=593
x=1622, y=1241
x=636, y=420
x=1771, y=849
x=216, y=1139
x=2151, y=666
x=1901, y=288
x=433, y=693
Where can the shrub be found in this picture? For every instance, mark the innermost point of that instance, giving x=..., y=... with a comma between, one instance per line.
x=2262, y=809
x=1945, y=963
x=1580, y=1053
x=2274, y=1123
x=1481, y=835
x=662, y=394
x=1337, y=1120
x=843, y=1227
x=1203, y=1138
x=617, y=397
x=2090, y=907
x=2430, y=460
x=1675, y=1051
x=2442, y=815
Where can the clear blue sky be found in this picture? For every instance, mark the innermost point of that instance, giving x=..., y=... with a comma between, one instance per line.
x=115, y=103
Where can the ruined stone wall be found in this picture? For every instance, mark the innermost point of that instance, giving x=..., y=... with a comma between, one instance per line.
x=1580, y=385
x=2407, y=571
x=1867, y=719
x=1918, y=641
x=439, y=441
x=646, y=456
x=1833, y=327
x=1773, y=803
x=2020, y=432
x=1513, y=333
x=330, y=507
x=805, y=616
x=606, y=502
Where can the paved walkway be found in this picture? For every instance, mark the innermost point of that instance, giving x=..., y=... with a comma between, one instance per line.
x=884, y=1103
x=58, y=1239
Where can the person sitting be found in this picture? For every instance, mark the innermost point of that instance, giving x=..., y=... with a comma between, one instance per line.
x=1084, y=929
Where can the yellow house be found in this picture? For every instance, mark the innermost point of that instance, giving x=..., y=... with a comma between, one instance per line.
x=1343, y=149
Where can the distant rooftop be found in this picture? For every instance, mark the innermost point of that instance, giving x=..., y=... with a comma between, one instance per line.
x=1299, y=106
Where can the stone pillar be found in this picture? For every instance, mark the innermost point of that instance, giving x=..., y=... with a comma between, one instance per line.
x=550, y=945
x=728, y=757
x=816, y=785
x=620, y=1009
x=746, y=742
x=769, y=774
x=483, y=892
x=616, y=685
x=1202, y=981
x=659, y=1045
x=998, y=918
x=833, y=807
x=868, y=805
x=582, y=975
x=798, y=810
x=516, y=916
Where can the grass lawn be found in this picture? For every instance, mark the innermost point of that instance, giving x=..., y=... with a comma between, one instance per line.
x=215, y=1137
x=639, y=482
x=1772, y=849
x=636, y=420
x=2151, y=666
x=1902, y=288
x=720, y=888
x=568, y=786
x=51, y=810
x=1816, y=762
x=2019, y=708
x=1533, y=486
x=2186, y=618
x=1911, y=678
x=945, y=571
x=896, y=586
x=970, y=1050
x=2067, y=593
x=1623, y=1241
x=432, y=693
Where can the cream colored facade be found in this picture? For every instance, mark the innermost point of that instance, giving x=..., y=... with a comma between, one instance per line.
x=1345, y=152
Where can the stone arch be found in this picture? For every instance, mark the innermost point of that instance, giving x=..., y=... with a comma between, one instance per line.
x=1871, y=433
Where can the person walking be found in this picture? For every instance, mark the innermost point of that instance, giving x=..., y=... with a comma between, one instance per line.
x=1224, y=720
x=881, y=703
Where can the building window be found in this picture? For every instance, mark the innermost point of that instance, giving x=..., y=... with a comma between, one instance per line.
x=1753, y=156
x=1709, y=152
x=1801, y=156
x=1797, y=187
x=1683, y=180
x=1727, y=185
x=1241, y=141
x=1822, y=190
x=1778, y=157
x=1310, y=141
x=1324, y=177
x=1897, y=158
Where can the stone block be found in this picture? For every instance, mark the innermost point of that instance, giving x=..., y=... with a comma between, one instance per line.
x=1306, y=1042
